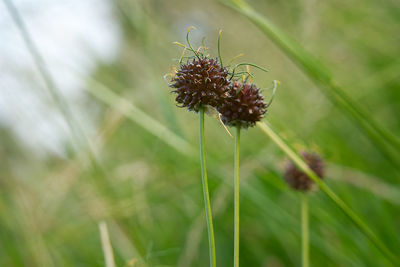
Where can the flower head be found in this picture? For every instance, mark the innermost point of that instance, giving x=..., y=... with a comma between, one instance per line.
x=201, y=82
x=244, y=107
x=297, y=179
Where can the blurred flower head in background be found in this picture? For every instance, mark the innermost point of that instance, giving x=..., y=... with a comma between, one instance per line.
x=297, y=179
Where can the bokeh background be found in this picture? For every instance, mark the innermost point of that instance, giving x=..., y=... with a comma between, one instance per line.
x=131, y=160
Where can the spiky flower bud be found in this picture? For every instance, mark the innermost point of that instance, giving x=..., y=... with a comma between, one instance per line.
x=244, y=107
x=201, y=82
x=297, y=179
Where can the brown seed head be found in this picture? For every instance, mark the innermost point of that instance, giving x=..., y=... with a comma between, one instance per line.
x=297, y=179
x=244, y=108
x=201, y=82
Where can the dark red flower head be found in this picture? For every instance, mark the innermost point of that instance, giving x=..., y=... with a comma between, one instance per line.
x=297, y=179
x=244, y=107
x=201, y=82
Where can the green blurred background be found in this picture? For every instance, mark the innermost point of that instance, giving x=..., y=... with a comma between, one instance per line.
x=143, y=181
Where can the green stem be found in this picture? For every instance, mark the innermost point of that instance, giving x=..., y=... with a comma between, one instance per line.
x=299, y=162
x=305, y=249
x=236, y=231
x=210, y=228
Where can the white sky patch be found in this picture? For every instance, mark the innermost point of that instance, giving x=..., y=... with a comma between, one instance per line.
x=68, y=33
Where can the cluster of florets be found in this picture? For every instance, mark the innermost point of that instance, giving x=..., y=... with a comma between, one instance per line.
x=244, y=107
x=201, y=82
x=297, y=179
x=204, y=82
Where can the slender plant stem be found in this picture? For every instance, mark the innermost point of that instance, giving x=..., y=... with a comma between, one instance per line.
x=210, y=228
x=305, y=249
x=357, y=220
x=237, y=198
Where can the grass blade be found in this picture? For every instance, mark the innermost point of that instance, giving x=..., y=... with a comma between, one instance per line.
x=137, y=115
x=382, y=138
x=106, y=244
x=299, y=162
x=77, y=133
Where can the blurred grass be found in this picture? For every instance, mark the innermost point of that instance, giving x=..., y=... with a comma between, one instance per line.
x=50, y=207
x=384, y=140
x=302, y=165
